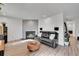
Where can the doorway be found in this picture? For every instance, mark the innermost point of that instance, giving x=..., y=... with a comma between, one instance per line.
x=71, y=27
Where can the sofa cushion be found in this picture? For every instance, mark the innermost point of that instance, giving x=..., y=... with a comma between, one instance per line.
x=46, y=40
x=45, y=35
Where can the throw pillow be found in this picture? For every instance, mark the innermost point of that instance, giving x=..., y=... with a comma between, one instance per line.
x=52, y=36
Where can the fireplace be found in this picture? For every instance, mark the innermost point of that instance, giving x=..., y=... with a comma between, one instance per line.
x=30, y=34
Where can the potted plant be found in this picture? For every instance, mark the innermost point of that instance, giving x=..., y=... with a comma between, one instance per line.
x=66, y=39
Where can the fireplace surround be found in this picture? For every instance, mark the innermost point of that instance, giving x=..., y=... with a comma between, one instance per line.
x=30, y=34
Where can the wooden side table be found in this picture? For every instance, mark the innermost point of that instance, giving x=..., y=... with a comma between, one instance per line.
x=2, y=47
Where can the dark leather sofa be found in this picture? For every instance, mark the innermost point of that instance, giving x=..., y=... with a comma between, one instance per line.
x=46, y=40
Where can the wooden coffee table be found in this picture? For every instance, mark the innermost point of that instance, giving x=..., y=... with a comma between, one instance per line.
x=33, y=45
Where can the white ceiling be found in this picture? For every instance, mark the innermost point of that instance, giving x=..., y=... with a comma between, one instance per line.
x=40, y=10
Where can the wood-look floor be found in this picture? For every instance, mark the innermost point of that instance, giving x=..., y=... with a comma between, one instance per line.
x=59, y=51
x=21, y=50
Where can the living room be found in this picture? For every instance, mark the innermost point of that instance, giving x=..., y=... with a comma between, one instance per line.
x=22, y=19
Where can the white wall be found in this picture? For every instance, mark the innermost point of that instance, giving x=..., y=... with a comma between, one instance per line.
x=30, y=25
x=77, y=26
x=14, y=27
x=49, y=23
